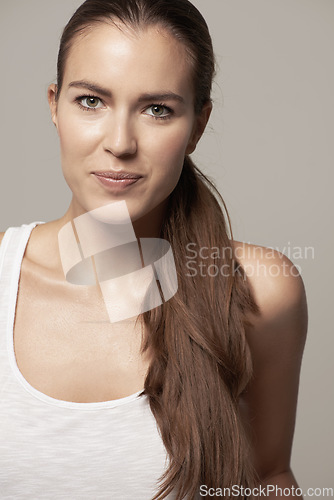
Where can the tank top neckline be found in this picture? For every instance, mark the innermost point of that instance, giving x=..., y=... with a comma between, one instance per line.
x=13, y=294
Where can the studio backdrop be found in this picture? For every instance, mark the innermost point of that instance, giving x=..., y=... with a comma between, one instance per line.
x=268, y=146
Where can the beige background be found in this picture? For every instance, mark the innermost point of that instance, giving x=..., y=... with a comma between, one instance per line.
x=269, y=147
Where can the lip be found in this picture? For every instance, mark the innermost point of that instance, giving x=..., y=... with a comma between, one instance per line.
x=116, y=181
x=111, y=174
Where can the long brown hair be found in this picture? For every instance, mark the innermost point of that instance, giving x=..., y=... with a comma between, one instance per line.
x=201, y=361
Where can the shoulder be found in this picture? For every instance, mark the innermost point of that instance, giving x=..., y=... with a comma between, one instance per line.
x=1, y=236
x=277, y=287
x=276, y=341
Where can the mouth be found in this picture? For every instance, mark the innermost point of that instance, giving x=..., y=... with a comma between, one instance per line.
x=117, y=176
x=116, y=181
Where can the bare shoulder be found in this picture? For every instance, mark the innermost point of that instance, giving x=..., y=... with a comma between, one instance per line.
x=1, y=236
x=276, y=341
x=276, y=283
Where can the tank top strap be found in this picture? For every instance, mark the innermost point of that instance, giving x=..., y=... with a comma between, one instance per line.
x=12, y=249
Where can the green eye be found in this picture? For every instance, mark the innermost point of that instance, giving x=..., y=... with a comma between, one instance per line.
x=89, y=103
x=92, y=102
x=158, y=110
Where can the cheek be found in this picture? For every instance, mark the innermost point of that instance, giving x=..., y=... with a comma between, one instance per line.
x=166, y=154
x=167, y=150
x=77, y=138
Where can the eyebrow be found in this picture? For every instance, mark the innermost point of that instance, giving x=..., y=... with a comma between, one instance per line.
x=164, y=96
x=154, y=97
x=83, y=84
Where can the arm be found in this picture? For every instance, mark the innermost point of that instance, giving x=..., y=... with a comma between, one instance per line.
x=276, y=342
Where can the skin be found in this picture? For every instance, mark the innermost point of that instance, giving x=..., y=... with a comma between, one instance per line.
x=276, y=342
x=121, y=131
x=121, y=134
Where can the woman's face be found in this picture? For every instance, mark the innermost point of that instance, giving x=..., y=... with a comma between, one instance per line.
x=126, y=105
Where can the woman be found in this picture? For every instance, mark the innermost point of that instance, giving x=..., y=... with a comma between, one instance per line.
x=193, y=396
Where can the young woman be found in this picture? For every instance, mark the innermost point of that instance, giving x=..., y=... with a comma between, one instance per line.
x=188, y=398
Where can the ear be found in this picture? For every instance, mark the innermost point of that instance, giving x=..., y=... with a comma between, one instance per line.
x=201, y=121
x=52, y=93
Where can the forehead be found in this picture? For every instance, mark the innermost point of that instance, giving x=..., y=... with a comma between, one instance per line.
x=128, y=59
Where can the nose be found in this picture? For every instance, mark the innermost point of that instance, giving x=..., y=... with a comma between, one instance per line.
x=120, y=138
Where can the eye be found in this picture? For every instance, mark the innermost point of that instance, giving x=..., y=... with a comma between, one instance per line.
x=89, y=102
x=159, y=111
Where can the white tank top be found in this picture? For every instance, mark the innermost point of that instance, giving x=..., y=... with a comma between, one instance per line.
x=54, y=449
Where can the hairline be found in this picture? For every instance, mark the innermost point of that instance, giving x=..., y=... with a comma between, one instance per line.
x=131, y=27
